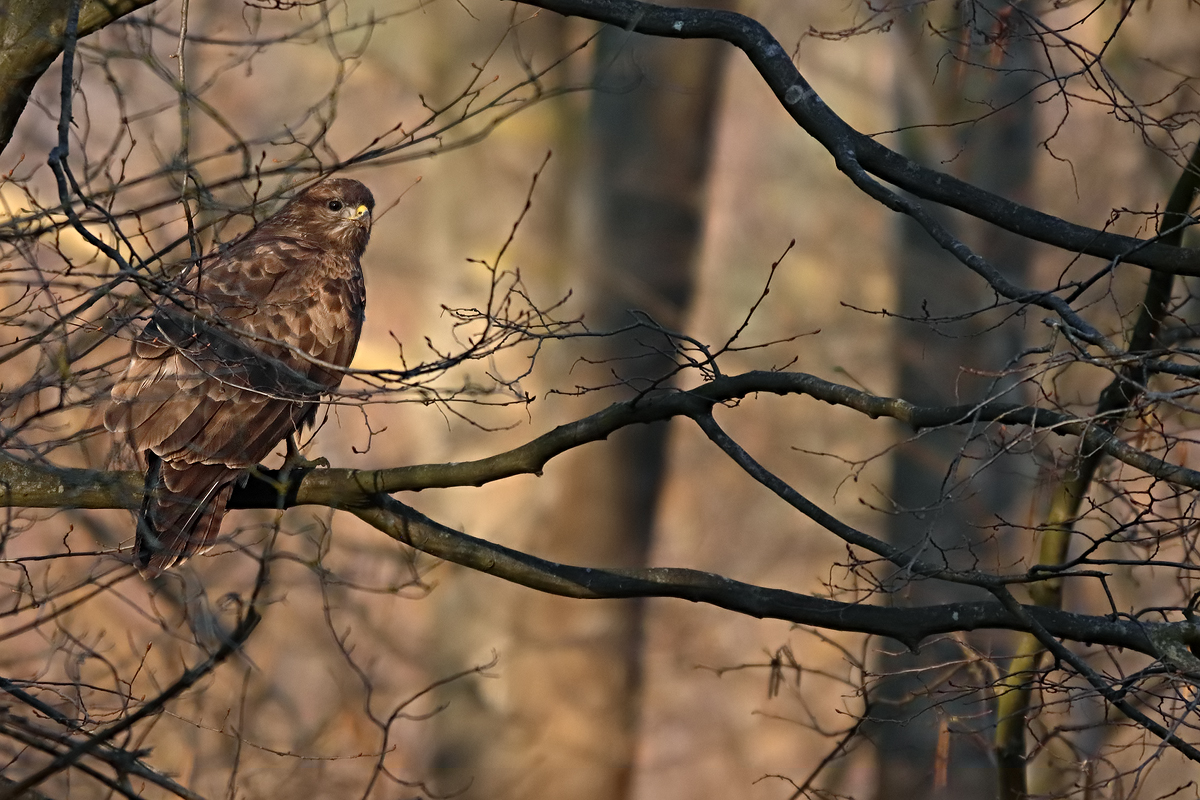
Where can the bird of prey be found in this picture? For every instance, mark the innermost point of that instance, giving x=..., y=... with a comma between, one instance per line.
x=234, y=360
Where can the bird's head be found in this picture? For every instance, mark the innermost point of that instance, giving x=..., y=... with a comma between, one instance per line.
x=337, y=210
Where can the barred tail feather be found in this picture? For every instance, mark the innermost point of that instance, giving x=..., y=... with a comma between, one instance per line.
x=182, y=509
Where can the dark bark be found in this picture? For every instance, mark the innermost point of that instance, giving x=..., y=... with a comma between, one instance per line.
x=854, y=151
x=45, y=488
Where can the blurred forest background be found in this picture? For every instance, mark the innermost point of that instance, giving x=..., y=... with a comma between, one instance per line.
x=674, y=182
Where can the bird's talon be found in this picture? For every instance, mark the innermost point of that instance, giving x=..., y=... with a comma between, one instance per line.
x=299, y=462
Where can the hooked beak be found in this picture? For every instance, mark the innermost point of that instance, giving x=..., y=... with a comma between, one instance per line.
x=360, y=215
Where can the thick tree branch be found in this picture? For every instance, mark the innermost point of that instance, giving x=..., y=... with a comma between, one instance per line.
x=24, y=484
x=909, y=626
x=31, y=37
x=366, y=495
x=849, y=146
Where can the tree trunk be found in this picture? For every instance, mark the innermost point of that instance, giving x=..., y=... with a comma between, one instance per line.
x=571, y=671
x=925, y=739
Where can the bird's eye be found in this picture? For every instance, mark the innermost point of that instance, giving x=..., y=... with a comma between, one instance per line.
x=335, y=205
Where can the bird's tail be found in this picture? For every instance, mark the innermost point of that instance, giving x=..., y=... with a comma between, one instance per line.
x=182, y=509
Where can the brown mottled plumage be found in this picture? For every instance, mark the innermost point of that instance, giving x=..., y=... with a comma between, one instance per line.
x=235, y=359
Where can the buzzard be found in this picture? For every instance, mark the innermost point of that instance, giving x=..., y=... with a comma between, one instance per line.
x=235, y=359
